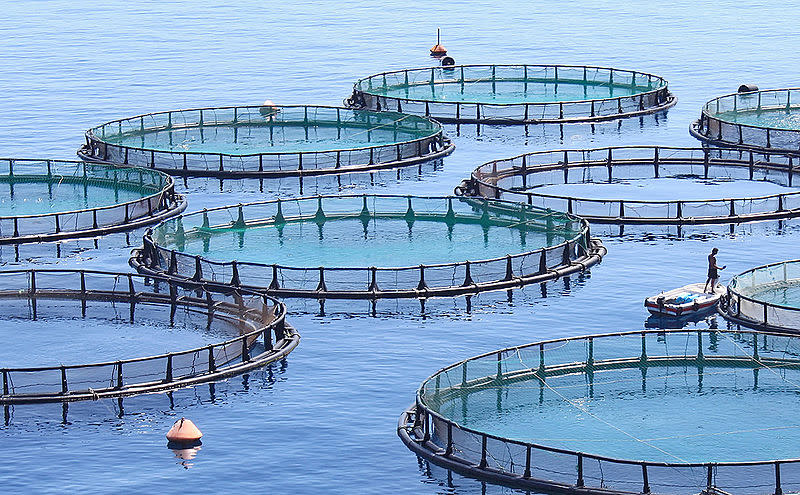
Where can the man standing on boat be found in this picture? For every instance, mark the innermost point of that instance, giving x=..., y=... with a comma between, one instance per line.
x=713, y=273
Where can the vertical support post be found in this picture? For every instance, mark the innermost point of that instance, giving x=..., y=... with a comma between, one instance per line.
x=579, y=482
x=119, y=375
x=527, y=473
x=778, y=489
x=168, y=373
x=645, y=480
x=64, y=387
x=483, y=462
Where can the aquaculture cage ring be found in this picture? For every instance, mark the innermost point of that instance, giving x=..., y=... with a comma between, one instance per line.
x=262, y=334
x=267, y=141
x=529, y=178
x=767, y=120
x=418, y=247
x=51, y=200
x=623, y=413
x=514, y=94
x=766, y=297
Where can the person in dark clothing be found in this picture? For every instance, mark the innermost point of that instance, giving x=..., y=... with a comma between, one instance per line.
x=713, y=271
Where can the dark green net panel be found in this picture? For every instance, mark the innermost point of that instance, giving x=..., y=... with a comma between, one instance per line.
x=371, y=246
x=267, y=141
x=514, y=94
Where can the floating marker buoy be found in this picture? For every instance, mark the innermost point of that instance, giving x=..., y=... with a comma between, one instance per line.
x=438, y=50
x=448, y=62
x=184, y=432
x=748, y=88
x=268, y=109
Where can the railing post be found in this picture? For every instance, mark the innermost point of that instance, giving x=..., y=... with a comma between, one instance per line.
x=778, y=489
x=449, y=450
x=527, y=473
x=645, y=480
x=483, y=462
x=5, y=381
x=64, y=386
x=212, y=366
x=168, y=374
x=709, y=477
x=119, y=375
x=245, y=350
x=579, y=482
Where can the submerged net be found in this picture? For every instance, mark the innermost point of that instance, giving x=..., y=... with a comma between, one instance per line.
x=766, y=296
x=524, y=178
x=267, y=141
x=51, y=199
x=257, y=323
x=660, y=411
x=762, y=119
x=429, y=234
x=514, y=94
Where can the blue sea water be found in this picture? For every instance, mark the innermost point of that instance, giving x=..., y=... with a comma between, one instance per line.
x=324, y=421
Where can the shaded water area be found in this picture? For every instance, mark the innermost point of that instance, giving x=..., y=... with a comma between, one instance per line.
x=324, y=420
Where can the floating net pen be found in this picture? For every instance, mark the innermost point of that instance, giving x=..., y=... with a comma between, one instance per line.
x=514, y=94
x=766, y=297
x=50, y=200
x=698, y=185
x=370, y=246
x=255, y=326
x=761, y=120
x=662, y=411
x=267, y=141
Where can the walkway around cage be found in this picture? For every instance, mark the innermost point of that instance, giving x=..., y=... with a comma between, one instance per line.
x=717, y=123
x=426, y=142
x=653, y=96
x=519, y=177
x=157, y=202
x=264, y=335
x=461, y=277
x=749, y=310
x=539, y=467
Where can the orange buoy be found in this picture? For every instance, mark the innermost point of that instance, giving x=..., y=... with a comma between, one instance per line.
x=184, y=431
x=438, y=50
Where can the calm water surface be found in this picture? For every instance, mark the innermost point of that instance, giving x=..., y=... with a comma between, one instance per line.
x=325, y=420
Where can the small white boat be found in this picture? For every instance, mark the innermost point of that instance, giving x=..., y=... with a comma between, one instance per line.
x=686, y=300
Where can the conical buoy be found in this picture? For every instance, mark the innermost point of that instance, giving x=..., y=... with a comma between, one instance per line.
x=438, y=50
x=184, y=432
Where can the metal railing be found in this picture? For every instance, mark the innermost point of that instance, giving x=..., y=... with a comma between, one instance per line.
x=654, y=96
x=158, y=202
x=534, y=466
x=259, y=320
x=715, y=127
x=162, y=253
x=519, y=179
x=430, y=144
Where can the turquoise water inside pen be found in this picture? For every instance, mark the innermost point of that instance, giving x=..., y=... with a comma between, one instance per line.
x=773, y=118
x=508, y=91
x=781, y=293
x=325, y=420
x=668, y=189
x=248, y=139
x=382, y=242
x=33, y=198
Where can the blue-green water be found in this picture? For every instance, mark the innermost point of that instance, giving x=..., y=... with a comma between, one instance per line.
x=32, y=198
x=780, y=293
x=772, y=118
x=325, y=422
x=382, y=242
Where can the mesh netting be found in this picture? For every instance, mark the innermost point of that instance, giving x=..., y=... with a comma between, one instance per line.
x=605, y=383
x=766, y=296
x=567, y=246
x=267, y=141
x=519, y=178
x=514, y=94
x=43, y=200
x=767, y=119
x=262, y=335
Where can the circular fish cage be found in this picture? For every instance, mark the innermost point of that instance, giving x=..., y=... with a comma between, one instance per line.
x=667, y=411
x=764, y=120
x=267, y=141
x=766, y=297
x=370, y=246
x=47, y=299
x=50, y=200
x=514, y=94
x=622, y=185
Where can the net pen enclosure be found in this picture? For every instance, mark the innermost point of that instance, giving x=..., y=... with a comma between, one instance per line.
x=514, y=94
x=271, y=141
x=370, y=246
x=246, y=330
x=51, y=200
x=647, y=184
x=766, y=297
x=655, y=411
x=761, y=120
